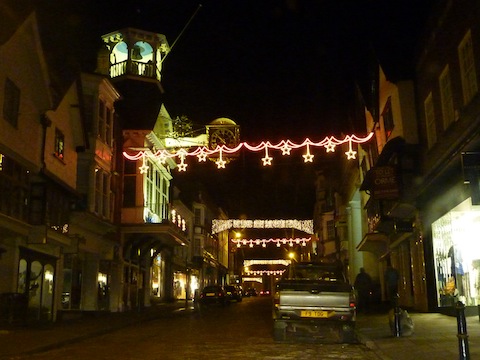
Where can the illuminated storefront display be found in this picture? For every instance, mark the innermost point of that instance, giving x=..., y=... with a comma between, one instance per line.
x=457, y=255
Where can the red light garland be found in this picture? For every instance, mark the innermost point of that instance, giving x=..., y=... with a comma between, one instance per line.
x=285, y=146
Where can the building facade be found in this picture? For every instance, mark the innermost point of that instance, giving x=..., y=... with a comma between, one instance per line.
x=448, y=102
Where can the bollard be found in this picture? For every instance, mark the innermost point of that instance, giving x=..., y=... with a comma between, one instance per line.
x=462, y=332
x=397, y=328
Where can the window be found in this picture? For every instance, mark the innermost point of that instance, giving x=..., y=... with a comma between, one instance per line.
x=11, y=102
x=388, y=118
x=101, y=119
x=331, y=229
x=198, y=216
x=59, y=144
x=446, y=97
x=156, y=188
x=105, y=122
x=430, y=121
x=467, y=68
x=102, y=193
x=14, y=189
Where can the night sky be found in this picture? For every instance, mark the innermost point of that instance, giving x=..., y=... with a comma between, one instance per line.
x=279, y=69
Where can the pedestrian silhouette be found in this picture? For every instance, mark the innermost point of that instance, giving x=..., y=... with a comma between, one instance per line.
x=363, y=285
x=391, y=281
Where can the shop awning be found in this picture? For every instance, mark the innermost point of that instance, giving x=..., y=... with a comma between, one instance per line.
x=376, y=243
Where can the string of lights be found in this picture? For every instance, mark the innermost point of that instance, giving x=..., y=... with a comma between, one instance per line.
x=264, y=242
x=219, y=225
x=222, y=153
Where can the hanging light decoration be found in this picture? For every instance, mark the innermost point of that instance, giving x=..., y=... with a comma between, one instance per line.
x=221, y=153
x=263, y=242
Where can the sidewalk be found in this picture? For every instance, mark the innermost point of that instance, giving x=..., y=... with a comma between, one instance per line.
x=18, y=340
x=435, y=335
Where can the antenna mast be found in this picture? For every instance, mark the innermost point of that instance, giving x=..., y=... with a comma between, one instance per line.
x=183, y=30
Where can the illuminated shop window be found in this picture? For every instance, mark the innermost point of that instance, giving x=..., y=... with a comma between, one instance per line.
x=457, y=255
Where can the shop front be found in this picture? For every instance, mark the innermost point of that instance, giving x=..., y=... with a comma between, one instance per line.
x=456, y=251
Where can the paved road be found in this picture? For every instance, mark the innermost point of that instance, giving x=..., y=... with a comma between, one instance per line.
x=238, y=331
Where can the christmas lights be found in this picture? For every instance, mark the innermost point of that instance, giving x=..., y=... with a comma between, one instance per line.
x=222, y=225
x=264, y=272
x=221, y=152
x=264, y=242
x=266, y=262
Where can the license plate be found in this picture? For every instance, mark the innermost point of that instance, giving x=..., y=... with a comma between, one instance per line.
x=316, y=313
x=210, y=294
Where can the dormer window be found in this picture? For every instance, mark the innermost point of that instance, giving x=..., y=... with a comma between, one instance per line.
x=59, y=144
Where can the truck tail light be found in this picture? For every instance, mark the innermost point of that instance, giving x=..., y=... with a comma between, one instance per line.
x=353, y=300
x=276, y=299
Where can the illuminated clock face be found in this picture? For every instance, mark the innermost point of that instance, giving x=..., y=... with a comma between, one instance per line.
x=221, y=137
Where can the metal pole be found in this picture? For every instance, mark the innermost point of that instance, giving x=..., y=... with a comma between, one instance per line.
x=397, y=328
x=462, y=332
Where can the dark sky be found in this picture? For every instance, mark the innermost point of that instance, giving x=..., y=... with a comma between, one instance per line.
x=279, y=69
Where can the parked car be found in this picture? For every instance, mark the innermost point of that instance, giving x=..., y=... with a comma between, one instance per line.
x=233, y=293
x=251, y=292
x=240, y=290
x=213, y=294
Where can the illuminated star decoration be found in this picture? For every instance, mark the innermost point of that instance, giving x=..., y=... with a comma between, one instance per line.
x=220, y=162
x=350, y=153
x=330, y=146
x=286, y=149
x=144, y=167
x=223, y=153
x=202, y=156
x=182, y=166
x=267, y=160
x=308, y=157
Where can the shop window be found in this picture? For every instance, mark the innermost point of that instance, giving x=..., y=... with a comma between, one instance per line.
x=72, y=282
x=36, y=279
x=456, y=256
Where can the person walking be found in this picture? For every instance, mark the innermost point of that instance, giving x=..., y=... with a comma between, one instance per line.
x=363, y=285
x=391, y=282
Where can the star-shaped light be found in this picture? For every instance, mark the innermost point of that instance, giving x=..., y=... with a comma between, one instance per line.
x=286, y=149
x=202, y=156
x=162, y=157
x=267, y=160
x=220, y=163
x=330, y=147
x=308, y=157
x=143, y=168
x=182, y=166
x=350, y=154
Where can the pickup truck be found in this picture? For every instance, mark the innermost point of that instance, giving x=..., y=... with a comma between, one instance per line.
x=314, y=299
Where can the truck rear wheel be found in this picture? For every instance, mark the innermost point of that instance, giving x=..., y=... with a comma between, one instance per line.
x=347, y=334
x=279, y=331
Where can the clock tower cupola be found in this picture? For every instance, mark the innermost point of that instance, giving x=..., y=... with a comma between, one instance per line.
x=133, y=54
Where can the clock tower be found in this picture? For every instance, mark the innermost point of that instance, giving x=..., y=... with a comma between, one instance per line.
x=223, y=131
x=132, y=59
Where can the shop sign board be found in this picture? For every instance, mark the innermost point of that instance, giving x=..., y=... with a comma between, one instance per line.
x=385, y=183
